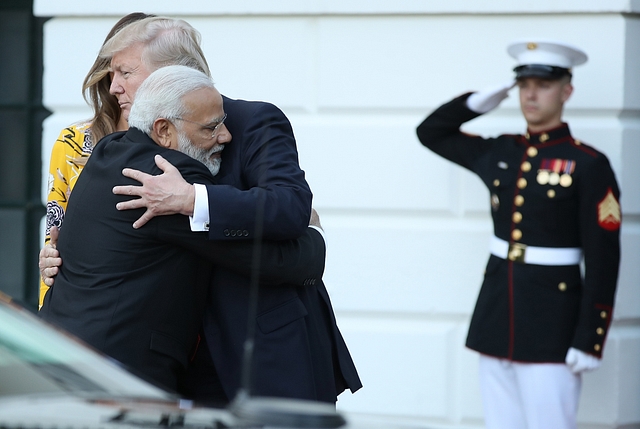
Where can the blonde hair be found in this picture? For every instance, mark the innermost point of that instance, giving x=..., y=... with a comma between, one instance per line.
x=95, y=88
x=166, y=41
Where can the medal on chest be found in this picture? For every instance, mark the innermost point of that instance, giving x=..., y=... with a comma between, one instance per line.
x=556, y=172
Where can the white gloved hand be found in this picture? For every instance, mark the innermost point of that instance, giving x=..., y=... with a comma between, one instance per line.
x=488, y=99
x=580, y=361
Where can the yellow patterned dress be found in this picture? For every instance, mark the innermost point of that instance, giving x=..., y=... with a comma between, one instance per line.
x=68, y=157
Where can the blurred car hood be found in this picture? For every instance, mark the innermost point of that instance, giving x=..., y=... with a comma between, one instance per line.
x=50, y=379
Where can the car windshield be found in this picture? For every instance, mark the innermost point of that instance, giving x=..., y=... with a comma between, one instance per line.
x=38, y=359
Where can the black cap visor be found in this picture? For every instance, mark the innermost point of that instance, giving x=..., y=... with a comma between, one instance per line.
x=541, y=71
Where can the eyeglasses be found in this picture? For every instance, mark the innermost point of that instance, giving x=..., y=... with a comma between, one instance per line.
x=214, y=129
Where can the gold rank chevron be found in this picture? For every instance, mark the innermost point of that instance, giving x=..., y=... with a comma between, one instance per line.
x=609, y=212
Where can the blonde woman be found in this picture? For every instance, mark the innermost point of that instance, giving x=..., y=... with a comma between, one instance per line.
x=75, y=143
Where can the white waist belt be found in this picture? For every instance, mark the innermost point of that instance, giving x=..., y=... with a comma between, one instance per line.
x=522, y=253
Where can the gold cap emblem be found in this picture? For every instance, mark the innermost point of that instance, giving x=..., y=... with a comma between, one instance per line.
x=531, y=46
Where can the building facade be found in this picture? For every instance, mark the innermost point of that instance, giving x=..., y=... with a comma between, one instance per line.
x=408, y=232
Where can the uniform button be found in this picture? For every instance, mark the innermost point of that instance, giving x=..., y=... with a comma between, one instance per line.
x=577, y=142
x=526, y=166
x=519, y=200
x=551, y=193
x=517, y=217
x=527, y=136
x=532, y=151
x=516, y=234
x=544, y=137
x=603, y=314
x=522, y=183
x=233, y=233
x=226, y=232
x=600, y=331
x=562, y=286
x=496, y=182
x=597, y=347
x=245, y=233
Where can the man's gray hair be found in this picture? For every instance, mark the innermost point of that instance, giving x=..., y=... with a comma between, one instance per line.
x=166, y=41
x=161, y=95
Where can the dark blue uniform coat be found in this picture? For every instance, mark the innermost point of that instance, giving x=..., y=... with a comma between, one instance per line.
x=548, y=190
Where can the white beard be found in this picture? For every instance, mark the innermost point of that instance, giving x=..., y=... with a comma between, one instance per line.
x=204, y=156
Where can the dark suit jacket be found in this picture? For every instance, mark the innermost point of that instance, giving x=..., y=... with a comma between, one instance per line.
x=299, y=351
x=139, y=295
x=259, y=166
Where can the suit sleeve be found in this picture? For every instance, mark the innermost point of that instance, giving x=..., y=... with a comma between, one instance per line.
x=600, y=219
x=297, y=261
x=274, y=186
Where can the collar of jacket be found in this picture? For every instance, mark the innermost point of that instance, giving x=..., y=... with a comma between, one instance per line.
x=559, y=133
x=138, y=136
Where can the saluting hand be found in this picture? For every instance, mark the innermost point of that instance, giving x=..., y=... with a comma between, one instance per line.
x=488, y=99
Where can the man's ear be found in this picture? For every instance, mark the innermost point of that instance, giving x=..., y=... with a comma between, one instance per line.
x=163, y=132
x=567, y=90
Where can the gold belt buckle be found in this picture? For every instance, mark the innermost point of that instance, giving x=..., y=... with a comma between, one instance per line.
x=516, y=252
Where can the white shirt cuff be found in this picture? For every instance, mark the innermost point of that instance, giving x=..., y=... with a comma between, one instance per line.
x=200, y=219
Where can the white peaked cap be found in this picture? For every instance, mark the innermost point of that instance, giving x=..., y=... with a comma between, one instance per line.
x=546, y=52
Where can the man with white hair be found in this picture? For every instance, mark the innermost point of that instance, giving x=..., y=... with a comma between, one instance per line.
x=138, y=295
x=538, y=323
x=260, y=193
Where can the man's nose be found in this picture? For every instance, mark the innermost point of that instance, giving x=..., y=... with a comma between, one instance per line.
x=115, y=87
x=224, y=136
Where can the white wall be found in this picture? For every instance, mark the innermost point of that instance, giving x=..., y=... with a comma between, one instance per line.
x=408, y=232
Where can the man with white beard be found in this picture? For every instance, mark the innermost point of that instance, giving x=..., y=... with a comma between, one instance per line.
x=138, y=295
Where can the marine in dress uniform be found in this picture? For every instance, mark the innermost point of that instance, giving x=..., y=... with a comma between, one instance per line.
x=538, y=321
